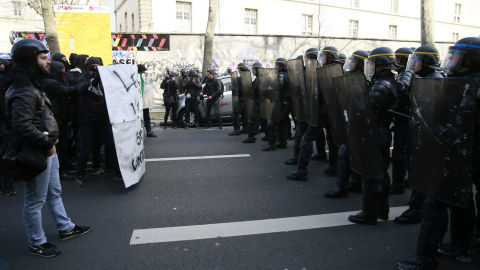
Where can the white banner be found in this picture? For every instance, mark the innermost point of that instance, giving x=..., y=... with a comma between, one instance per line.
x=148, y=93
x=123, y=96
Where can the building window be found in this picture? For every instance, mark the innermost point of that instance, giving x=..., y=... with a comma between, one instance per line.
x=456, y=16
x=120, y=27
x=307, y=25
x=250, y=21
x=394, y=6
x=353, y=29
x=133, y=23
x=393, y=32
x=354, y=3
x=126, y=24
x=184, y=21
x=17, y=9
x=455, y=37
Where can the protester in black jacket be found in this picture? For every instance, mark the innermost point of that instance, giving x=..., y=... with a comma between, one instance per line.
x=170, y=98
x=58, y=92
x=213, y=91
x=191, y=85
x=93, y=117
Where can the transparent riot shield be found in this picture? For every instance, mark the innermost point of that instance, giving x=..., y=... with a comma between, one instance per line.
x=311, y=84
x=235, y=98
x=362, y=133
x=441, y=138
x=325, y=76
x=248, y=95
x=297, y=88
x=269, y=90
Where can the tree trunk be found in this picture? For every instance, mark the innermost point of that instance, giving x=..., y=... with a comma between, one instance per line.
x=50, y=27
x=427, y=22
x=209, y=35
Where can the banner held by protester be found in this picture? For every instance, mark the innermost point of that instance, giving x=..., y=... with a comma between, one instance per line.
x=123, y=95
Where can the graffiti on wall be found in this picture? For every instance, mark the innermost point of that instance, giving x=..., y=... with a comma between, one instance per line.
x=140, y=42
x=123, y=57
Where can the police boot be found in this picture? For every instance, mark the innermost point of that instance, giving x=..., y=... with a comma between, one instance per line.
x=418, y=263
x=336, y=192
x=410, y=216
x=234, y=133
x=249, y=140
x=300, y=174
x=363, y=218
x=269, y=148
x=292, y=161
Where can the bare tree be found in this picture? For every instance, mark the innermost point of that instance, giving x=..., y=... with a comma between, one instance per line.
x=427, y=22
x=209, y=35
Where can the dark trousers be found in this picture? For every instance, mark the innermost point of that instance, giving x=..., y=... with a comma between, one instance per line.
x=254, y=121
x=191, y=105
x=174, y=113
x=62, y=145
x=300, y=130
x=110, y=150
x=240, y=115
x=376, y=190
x=216, y=109
x=332, y=148
x=343, y=169
x=399, y=153
x=284, y=124
x=91, y=140
x=146, y=120
x=435, y=224
x=306, y=146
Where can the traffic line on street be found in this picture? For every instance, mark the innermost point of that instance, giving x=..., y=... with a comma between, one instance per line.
x=196, y=157
x=243, y=228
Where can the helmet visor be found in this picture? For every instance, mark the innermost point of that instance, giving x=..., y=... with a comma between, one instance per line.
x=453, y=59
x=369, y=67
x=351, y=64
x=322, y=58
x=415, y=63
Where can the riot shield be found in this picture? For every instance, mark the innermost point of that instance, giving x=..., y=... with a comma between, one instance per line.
x=270, y=106
x=235, y=98
x=325, y=76
x=297, y=88
x=246, y=78
x=362, y=133
x=441, y=138
x=311, y=84
x=180, y=84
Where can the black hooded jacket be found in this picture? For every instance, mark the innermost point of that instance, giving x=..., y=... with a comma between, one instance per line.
x=91, y=110
x=58, y=92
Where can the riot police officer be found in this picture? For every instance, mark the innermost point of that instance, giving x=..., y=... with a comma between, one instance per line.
x=241, y=109
x=254, y=119
x=191, y=86
x=424, y=62
x=284, y=123
x=400, y=130
x=379, y=65
x=354, y=64
x=462, y=60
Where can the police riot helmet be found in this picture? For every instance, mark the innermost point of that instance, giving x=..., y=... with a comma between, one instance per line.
x=242, y=66
x=25, y=51
x=311, y=53
x=402, y=54
x=465, y=53
x=383, y=57
x=229, y=68
x=255, y=67
x=424, y=56
x=342, y=57
x=183, y=71
x=192, y=73
x=356, y=61
x=300, y=56
x=281, y=62
x=329, y=54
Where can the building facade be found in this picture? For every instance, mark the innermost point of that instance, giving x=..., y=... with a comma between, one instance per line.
x=387, y=19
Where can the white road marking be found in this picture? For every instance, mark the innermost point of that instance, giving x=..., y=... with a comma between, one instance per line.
x=209, y=231
x=197, y=157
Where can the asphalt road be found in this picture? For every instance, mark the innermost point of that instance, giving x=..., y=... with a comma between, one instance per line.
x=211, y=191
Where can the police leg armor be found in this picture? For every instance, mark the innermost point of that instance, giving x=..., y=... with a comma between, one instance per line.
x=399, y=156
x=414, y=212
x=306, y=150
x=285, y=123
x=245, y=117
x=300, y=130
x=252, y=130
x=343, y=175
x=355, y=184
x=270, y=134
x=332, y=152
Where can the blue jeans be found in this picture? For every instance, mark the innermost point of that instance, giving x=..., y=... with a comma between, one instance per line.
x=45, y=188
x=216, y=108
